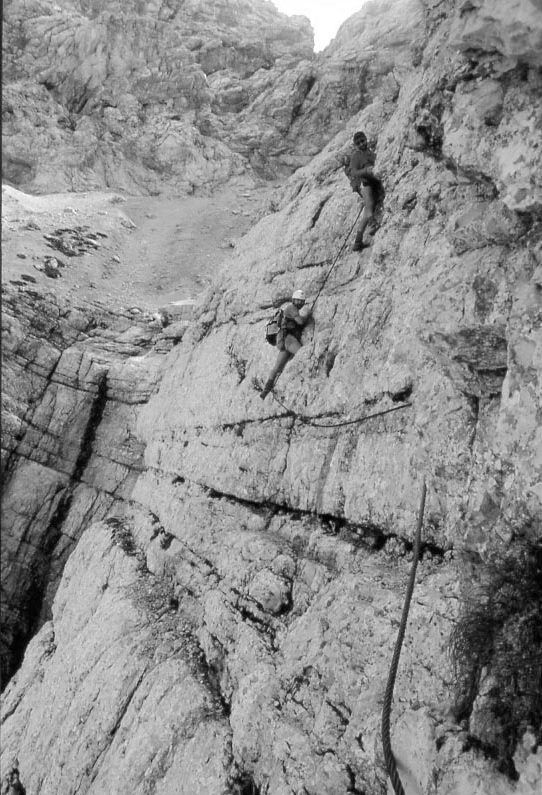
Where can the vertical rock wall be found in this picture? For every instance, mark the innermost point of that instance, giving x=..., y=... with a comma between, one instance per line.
x=73, y=385
x=274, y=552
x=153, y=99
x=131, y=95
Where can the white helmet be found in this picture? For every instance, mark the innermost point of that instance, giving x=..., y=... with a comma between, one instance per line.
x=298, y=295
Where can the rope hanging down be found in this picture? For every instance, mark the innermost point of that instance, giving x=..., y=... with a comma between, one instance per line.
x=328, y=274
x=310, y=420
x=386, y=709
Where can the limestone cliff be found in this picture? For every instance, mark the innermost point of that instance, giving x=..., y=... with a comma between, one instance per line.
x=74, y=379
x=228, y=628
x=137, y=95
x=180, y=96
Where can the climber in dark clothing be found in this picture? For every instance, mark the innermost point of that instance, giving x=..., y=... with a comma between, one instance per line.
x=288, y=338
x=358, y=169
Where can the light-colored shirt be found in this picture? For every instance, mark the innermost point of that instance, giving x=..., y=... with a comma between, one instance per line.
x=293, y=317
x=359, y=164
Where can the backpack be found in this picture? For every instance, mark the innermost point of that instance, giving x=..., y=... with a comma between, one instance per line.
x=273, y=327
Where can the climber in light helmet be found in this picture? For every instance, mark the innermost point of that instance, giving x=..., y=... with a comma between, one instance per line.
x=288, y=338
x=298, y=298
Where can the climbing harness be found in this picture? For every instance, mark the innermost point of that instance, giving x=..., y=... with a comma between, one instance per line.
x=386, y=709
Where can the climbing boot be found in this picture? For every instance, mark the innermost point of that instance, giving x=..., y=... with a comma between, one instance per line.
x=267, y=389
x=359, y=245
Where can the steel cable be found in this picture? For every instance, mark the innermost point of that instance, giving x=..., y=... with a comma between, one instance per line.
x=310, y=420
x=328, y=274
x=391, y=764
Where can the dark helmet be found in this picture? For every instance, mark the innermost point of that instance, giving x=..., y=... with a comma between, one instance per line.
x=359, y=136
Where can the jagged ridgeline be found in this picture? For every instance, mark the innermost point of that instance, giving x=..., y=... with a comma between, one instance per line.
x=201, y=590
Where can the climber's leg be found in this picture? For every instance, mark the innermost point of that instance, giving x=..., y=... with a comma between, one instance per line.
x=366, y=193
x=282, y=360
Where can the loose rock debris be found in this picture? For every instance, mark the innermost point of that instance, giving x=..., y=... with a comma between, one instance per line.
x=50, y=266
x=75, y=241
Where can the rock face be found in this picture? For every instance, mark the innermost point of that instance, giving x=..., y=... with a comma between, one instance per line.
x=254, y=581
x=135, y=95
x=157, y=711
x=176, y=98
x=74, y=380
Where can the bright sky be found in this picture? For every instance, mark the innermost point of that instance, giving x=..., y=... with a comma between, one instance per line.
x=326, y=16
